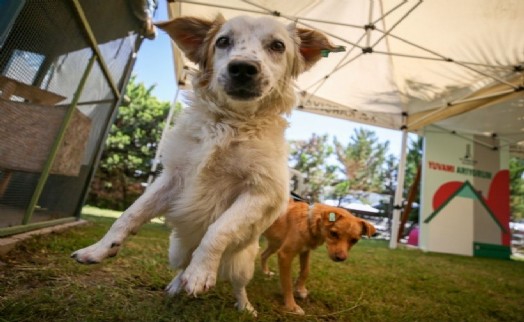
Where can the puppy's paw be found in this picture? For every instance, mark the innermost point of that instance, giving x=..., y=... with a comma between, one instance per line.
x=96, y=252
x=295, y=309
x=176, y=285
x=198, y=280
x=269, y=273
x=247, y=307
x=301, y=293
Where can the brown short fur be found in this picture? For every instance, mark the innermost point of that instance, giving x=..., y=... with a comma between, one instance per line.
x=296, y=232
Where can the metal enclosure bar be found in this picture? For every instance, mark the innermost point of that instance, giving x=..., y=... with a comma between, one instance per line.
x=56, y=144
x=94, y=45
x=107, y=127
x=7, y=231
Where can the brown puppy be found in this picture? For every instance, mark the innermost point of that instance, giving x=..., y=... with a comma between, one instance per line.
x=303, y=228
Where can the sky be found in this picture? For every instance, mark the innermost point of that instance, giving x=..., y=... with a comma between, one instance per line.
x=154, y=66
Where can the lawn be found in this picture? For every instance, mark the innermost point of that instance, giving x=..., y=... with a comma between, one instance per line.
x=39, y=282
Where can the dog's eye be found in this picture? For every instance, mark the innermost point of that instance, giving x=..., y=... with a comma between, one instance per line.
x=353, y=241
x=277, y=46
x=223, y=42
x=333, y=234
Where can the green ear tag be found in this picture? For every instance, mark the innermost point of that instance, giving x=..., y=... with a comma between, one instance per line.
x=332, y=216
x=325, y=52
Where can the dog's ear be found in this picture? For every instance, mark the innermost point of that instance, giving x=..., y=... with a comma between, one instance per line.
x=191, y=35
x=313, y=45
x=367, y=228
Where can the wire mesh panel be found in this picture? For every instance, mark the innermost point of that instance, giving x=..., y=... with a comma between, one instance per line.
x=54, y=109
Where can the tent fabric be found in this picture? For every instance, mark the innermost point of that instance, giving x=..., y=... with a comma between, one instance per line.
x=408, y=63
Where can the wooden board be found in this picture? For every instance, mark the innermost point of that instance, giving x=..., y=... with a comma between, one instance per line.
x=10, y=87
x=27, y=133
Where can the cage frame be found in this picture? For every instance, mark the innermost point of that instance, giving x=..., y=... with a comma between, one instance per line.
x=116, y=100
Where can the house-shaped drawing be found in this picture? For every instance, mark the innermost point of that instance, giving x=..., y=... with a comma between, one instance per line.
x=465, y=225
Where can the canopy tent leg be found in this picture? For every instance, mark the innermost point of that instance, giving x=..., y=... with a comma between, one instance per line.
x=399, y=191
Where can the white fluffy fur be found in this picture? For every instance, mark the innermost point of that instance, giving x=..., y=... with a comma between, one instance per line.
x=225, y=177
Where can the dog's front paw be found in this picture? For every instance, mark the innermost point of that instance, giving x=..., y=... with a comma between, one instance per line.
x=198, y=280
x=247, y=307
x=176, y=285
x=295, y=309
x=96, y=252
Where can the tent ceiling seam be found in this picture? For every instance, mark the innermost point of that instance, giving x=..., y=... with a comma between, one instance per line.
x=450, y=106
x=371, y=27
x=444, y=58
x=272, y=12
x=466, y=100
x=301, y=21
x=397, y=23
x=389, y=12
x=365, y=50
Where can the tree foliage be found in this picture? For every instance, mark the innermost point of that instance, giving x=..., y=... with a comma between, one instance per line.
x=516, y=170
x=130, y=148
x=310, y=159
x=362, y=161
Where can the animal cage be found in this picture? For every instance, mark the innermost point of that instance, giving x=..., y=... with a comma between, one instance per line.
x=64, y=66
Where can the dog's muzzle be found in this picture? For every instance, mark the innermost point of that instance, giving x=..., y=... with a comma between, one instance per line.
x=243, y=80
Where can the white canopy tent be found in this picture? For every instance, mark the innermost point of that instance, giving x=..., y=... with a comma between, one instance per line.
x=457, y=65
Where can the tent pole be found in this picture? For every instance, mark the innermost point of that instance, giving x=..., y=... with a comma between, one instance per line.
x=167, y=126
x=399, y=191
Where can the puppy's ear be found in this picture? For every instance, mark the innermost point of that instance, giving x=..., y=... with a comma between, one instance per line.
x=367, y=228
x=313, y=45
x=192, y=34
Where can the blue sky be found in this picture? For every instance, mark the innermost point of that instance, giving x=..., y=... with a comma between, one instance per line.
x=154, y=66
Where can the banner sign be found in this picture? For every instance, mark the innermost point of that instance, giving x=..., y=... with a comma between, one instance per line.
x=464, y=196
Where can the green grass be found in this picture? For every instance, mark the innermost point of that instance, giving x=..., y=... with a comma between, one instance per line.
x=39, y=282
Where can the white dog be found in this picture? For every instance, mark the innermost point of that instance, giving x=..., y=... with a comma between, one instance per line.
x=225, y=177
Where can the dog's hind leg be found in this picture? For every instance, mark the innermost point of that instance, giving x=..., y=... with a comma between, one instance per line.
x=179, y=258
x=175, y=286
x=153, y=202
x=285, y=260
x=270, y=250
x=241, y=269
x=300, y=285
x=180, y=252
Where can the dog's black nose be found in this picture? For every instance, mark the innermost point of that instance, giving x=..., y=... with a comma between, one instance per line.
x=243, y=71
x=340, y=258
